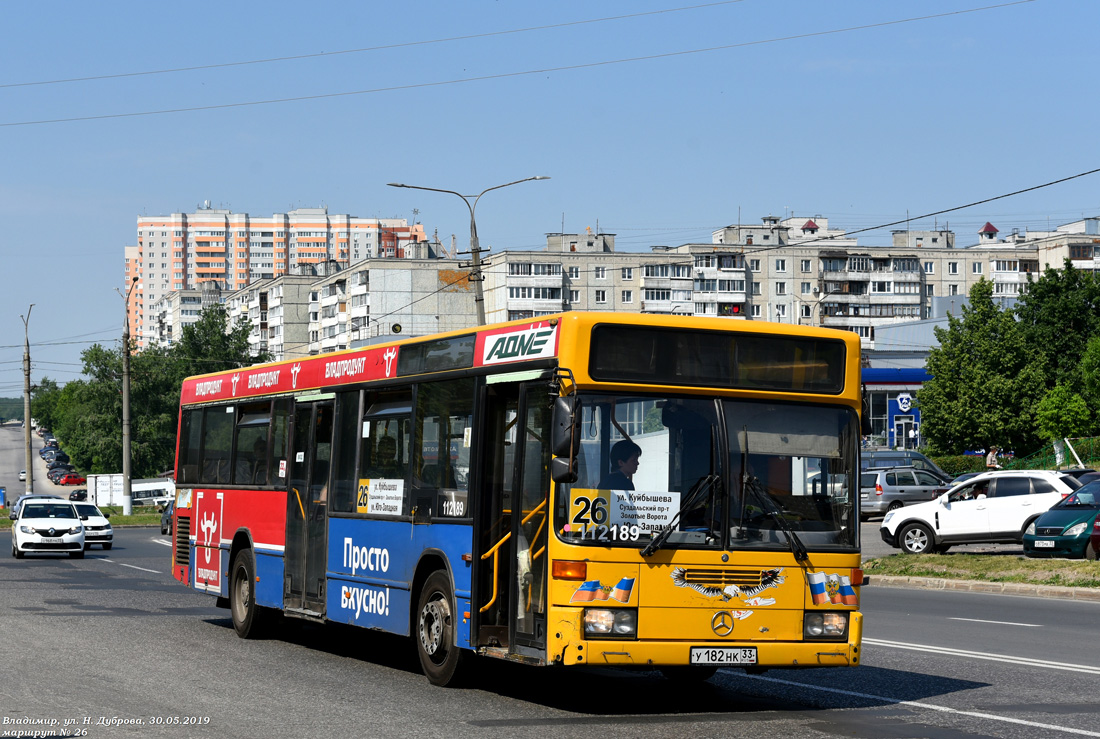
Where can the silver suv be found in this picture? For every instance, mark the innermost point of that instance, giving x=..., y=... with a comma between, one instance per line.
x=883, y=489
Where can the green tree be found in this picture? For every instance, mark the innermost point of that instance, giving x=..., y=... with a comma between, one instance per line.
x=1058, y=314
x=985, y=383
x=1062, y=413
x=44, y=398
x=212, y=345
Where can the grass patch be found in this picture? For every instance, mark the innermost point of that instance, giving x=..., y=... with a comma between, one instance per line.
x=989, y=568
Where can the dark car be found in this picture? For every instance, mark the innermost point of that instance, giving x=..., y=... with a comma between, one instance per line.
x=166, y=518
x=1065, y=529
x=904, y=458
x=79, y=495
x=58, y=462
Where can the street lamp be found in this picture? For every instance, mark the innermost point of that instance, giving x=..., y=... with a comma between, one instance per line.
x=27, y=398
x=475, y=249
x=127, y=502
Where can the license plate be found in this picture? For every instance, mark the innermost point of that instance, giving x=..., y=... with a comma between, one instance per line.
x=1040, y=544
x=723, y=655
x=48, y=540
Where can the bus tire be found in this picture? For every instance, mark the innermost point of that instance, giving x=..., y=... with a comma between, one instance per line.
x=435, y=630
x=688, y=673
x=248, y=618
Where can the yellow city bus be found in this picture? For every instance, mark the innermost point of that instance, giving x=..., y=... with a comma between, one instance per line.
x=641, y=491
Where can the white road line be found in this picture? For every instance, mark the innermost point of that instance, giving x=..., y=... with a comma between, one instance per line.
x=123, y=564
x=929, y=706
x=1047, y=664
x=999, y=623
x=165, y=542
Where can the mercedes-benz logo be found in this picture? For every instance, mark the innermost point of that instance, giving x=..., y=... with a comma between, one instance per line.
x=722, y=623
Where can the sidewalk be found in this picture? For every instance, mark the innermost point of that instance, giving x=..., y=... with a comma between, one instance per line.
x=977, y=586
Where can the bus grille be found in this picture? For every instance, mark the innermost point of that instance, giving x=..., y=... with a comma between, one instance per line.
x=723, y=577
x=183, y=531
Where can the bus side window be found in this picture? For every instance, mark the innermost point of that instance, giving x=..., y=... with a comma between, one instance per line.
x=217, y=442
x=444, y=416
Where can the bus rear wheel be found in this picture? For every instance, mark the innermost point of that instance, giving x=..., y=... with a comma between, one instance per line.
x=435, y=630
x=248, y=618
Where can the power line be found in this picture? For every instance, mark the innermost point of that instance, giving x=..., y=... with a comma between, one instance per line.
x=508, y=75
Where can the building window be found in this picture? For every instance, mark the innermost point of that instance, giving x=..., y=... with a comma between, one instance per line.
x=574, y=272
x=806, y=288
x=976, y=268
x=754, y=265
x=781, y=311
x=929, y=268
x=755, y=311
x=781, y=288
x=952, y=268
x=600, y=273
x=756, y=288
x=780, y=265
x=628, y=296
x=952, y=289
x=929, y=290
x=628, y=273
x=806, y=310
x=805, y=265
x=601, y=296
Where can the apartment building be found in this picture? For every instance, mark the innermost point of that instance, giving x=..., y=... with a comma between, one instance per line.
x=174, y=311
x=278, y=311
x=183, y=250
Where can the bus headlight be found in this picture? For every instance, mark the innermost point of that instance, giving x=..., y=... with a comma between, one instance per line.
x=615, y=623
x=825, y=625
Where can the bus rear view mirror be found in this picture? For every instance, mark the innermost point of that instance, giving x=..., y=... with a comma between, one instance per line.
x=565, y=441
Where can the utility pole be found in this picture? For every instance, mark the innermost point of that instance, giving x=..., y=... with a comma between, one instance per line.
x=475, y=249
x=127, y=502
x=27, y=398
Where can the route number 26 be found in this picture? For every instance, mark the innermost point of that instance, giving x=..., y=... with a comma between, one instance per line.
x=593, y=511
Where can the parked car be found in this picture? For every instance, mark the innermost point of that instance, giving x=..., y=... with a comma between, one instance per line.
x=47, y=526
x=31, y=496
x=55, y=475
x=166, y=518
x=97, y=529
x=883, y=489
x=904, y=458
x=994, y=507
x=72, y=478
x=1065, y=530
x=22, y=475
x=964, y=477
x=58, y=462
x=79, y=495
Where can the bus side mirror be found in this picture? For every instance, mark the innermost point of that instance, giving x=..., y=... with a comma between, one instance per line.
x=865, y=415
x=564, y=439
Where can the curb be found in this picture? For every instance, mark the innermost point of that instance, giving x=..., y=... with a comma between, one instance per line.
x=977, y=586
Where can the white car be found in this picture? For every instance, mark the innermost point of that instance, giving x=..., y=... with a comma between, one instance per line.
x=994, y=507
x=22, y=475
x=97, y=529
x=45, y=526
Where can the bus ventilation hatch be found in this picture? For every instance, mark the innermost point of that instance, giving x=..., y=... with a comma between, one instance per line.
x=183, y=531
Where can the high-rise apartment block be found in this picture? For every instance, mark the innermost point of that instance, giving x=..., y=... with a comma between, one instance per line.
x=182, y=251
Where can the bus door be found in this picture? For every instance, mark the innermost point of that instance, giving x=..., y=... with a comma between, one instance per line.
x=514, y=520
x=307, y=502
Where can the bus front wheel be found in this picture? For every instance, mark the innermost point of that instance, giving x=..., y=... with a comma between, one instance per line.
x=435, y=630
x=248, y=619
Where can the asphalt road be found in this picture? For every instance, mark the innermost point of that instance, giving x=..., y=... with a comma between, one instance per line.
x=13, y=459
x=113, y=638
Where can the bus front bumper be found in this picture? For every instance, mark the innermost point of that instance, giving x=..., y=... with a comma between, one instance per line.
x=768, y=654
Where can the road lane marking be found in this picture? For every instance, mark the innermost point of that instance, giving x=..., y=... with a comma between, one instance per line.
x=983, y=655
x=929, y=706
x=123, y=564
x=165, y=542
x=999, y=623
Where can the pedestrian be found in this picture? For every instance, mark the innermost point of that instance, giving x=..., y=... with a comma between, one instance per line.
x=991, y=459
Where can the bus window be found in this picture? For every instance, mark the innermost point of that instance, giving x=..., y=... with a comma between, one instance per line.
x=250, y=456
x=190, y=445
x=217, y=440
x=343, y=466
x=444, y=416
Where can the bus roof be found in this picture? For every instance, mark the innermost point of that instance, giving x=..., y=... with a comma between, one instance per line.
x=502, y=344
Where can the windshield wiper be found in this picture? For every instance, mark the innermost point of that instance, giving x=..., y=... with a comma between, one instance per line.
x=751, y=483
x=702, y=485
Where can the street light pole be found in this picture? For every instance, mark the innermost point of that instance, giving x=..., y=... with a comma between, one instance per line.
x=475, y=248
x=27, y=399
x=127, y=501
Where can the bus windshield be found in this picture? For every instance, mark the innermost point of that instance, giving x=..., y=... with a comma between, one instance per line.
x=718, y=473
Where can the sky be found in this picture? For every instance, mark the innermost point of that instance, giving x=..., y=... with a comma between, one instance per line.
x=656, y=120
